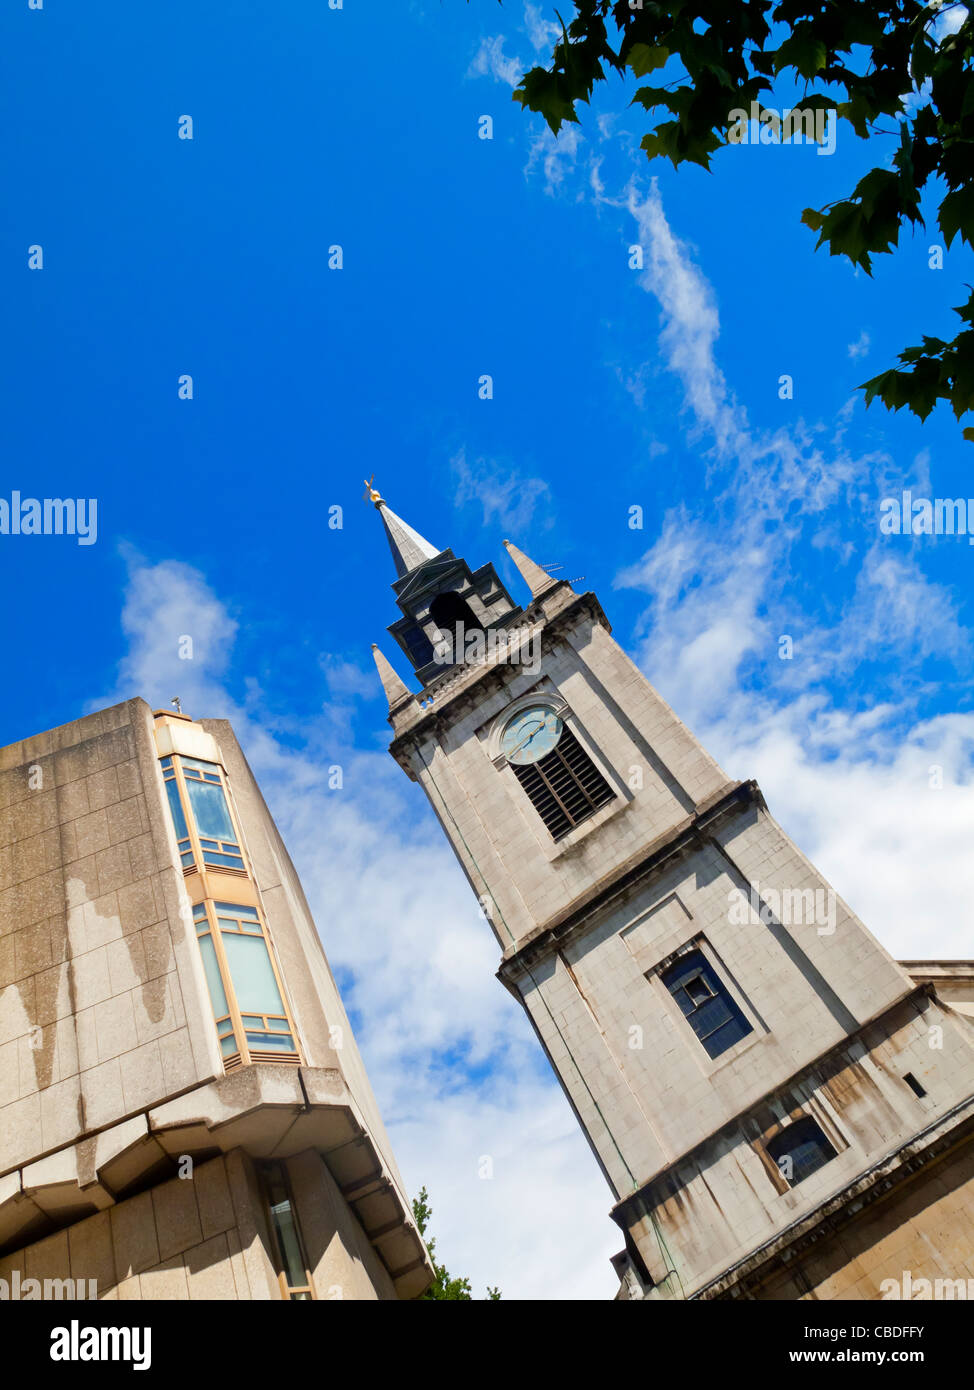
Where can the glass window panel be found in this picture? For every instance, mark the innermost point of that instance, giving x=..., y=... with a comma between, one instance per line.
x=286, y=1231
x=211, y=811
x=167, y=762
x=213, y=980
x=196, y=762
x=238, y=910
x=187, y=858
x=228, y=1046
x=280, y=1025
x=707, y=1004
x=223, y=861
x=175, y=806
x=252, y=1021
x=252, y=974
x=271, y=1042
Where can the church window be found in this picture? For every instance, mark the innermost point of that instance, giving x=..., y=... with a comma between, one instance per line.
x=800, y=1149
x=706, y=1003
x=561, y=780
x=419, y=646
x=455, y=619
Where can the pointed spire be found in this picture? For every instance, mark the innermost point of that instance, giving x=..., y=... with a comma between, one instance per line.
x=409, y=549
x=539, y=581
x=396, y=691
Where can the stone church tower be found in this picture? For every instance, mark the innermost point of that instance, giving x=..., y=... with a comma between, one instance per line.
x=780, y=1109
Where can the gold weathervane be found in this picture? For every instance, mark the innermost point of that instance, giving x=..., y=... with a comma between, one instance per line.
x=371, y=494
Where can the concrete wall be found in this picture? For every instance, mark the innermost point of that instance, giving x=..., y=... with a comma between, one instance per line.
x=624, y=725
x=927, y=1229
x=599, y=998
x=103, y=1009
x=726, y=1198
x=206, y=1237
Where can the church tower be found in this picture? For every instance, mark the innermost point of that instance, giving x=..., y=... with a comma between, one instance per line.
x=780, y=1109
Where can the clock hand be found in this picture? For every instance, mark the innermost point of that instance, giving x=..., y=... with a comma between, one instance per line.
x=539, y=725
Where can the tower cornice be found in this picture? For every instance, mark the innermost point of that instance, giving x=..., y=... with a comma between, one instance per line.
x=680, y=839
x=546, y=616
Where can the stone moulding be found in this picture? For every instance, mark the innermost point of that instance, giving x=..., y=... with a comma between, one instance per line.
x=268, y=1112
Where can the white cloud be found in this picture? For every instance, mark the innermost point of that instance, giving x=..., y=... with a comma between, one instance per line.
x=542, y=33
x=490, y=60
x=501, y=491
x=861, y=346
x=557, y=155
x=857, y=785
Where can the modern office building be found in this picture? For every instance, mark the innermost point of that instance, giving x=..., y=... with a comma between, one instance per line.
x=780, y=1109
x=183, y=1109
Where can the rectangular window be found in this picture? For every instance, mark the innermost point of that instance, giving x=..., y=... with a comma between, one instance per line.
x=705, y=1003
x=251, y=1019
x=199, y=806
x=289, y=1255
x=800, y=1149
x=208, y=805
x=178, y=818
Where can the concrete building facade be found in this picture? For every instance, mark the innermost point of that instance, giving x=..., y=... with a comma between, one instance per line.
x=184, y=1112
x=780, y=1109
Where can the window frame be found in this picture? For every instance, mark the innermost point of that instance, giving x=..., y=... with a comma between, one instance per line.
x=756, y=1029
x=267, y=1170
x=173, y=768
x=804, y=1122
x=208, y=911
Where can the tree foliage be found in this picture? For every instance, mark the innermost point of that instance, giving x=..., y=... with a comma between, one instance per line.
x=870, y=60
x=444, y=1285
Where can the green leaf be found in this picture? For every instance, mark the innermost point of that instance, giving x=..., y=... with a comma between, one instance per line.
x=803, y=52
x=643, y=58
x=957, y=215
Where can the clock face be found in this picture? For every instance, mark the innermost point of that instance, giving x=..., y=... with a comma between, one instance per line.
x=531, y=734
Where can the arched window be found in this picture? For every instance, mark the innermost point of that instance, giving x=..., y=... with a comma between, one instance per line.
x=800, y=1149
x=448, y=611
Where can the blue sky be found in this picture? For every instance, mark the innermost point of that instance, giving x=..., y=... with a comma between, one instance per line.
x=613, y=388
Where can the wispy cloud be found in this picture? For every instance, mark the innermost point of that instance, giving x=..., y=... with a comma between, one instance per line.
x=504, y=494
x=878, y=796
x=490, y=60
x=861, y=346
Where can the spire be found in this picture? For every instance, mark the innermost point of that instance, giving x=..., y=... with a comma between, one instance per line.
x=409, y=549
x=396, y=691
x=539, y=581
